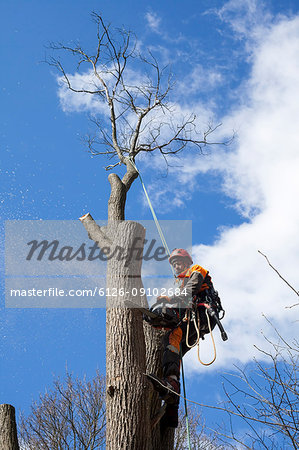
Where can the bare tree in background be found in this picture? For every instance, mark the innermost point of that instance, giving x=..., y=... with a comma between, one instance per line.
x=282, y=278
x=266, y=396
x=69, y=416
x=199, y=436
x=136, y=118
x=267, y=399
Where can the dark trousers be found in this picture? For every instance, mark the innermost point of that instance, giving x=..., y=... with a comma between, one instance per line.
x=175, y=347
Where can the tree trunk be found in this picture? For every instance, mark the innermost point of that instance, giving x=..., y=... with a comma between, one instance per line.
x=131, y=350
x=161, y=440
x=128, y=418
x=8, y=428
x=131, y=400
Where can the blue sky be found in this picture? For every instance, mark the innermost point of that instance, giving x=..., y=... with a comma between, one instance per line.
x=234, y=64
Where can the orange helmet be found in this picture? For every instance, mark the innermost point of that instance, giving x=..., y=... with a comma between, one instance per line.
x=180, y=252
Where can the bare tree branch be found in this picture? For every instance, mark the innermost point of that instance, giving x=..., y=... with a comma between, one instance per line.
x=70, y=415
x=140, y=113
x=280, y=276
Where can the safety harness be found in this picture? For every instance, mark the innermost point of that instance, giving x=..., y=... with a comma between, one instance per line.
x=168, y=317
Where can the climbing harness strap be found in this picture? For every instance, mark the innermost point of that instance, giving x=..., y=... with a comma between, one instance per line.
x=213, y=342
x=188, y=320
x=196, y=321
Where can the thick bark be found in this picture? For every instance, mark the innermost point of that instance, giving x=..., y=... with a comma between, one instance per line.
x=160, y=440
x=119, y=189
x=131, y=350
x=8, y=428
x=127, y=412
x=117, y=199
x=126, y=402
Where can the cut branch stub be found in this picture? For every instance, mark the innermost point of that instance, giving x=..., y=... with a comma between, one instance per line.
x=95, y=232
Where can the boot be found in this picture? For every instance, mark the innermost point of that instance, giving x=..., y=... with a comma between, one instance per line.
x=167, y=388
x=171, y=417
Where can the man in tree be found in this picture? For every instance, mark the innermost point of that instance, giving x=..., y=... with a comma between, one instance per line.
x=195, y=285
x=139, y=119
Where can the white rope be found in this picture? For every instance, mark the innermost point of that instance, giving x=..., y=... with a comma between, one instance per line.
x=162, y=237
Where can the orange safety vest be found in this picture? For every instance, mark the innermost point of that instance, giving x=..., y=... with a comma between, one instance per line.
x=196, y=268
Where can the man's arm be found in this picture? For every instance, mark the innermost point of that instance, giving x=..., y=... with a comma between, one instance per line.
x=191, y=288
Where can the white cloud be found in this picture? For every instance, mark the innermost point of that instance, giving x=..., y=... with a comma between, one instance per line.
x=248, y=19
x=71, y=101
x=261, y=175
x=153, y=21
x=199, y=80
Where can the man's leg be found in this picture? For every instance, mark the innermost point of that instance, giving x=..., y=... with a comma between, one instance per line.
x=175, y=347
x=171, y=362
x=173, y=341
x=171, y=367
x=171, y=353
